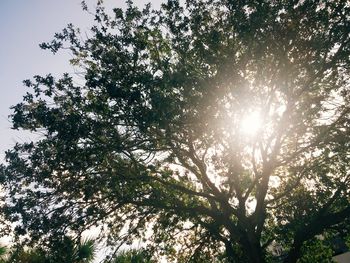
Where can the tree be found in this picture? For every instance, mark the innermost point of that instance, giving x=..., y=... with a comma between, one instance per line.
x=3, y=252
x=149, y=143
x=64, y=250
x=21, y=255
x=131, y=256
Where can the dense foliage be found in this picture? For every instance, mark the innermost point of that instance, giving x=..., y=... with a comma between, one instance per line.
x=64, y=250
x=149, y=144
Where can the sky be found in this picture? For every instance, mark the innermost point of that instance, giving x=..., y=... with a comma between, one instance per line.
x=24, y=24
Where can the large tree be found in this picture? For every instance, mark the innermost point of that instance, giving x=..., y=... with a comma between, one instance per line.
x=149, y=141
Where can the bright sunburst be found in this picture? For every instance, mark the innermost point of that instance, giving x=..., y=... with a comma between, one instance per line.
x=251, y=123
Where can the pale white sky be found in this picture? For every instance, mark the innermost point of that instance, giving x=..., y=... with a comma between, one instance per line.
x=24, y=24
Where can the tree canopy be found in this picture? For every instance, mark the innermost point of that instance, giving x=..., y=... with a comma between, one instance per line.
x=147, y=143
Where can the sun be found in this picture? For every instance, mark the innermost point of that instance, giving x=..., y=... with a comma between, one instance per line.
x=251, y=123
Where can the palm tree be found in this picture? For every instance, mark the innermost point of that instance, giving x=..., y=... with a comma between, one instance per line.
x=85, y=251
x=68, y=251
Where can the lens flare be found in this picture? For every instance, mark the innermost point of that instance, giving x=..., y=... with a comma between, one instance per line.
x=251, y=123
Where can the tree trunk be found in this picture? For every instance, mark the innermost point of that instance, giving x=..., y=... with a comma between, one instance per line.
x=294, y=253
x=254, y=254
x=230, y=253
x=252, y=251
